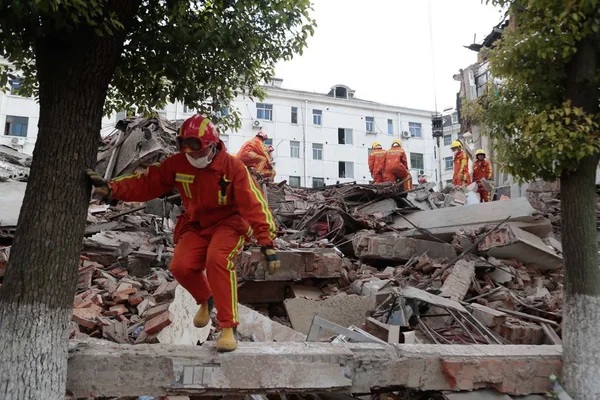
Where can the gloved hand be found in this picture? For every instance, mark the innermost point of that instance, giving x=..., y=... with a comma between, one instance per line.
x=270, y=259
x=100, y=184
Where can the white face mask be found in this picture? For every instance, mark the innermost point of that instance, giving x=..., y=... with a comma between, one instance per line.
x=201, y=162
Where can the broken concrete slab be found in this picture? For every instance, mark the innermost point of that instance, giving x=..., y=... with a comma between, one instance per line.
x=421, y=295
x=457, y=284
x=443, y=223
x=487, y=316
x=182, y=330
x=158, y=370
x=512, y=242
x=253, y=323
x=392, y=246
x=11, y=198
x=341, y=309
x=379, y=209
x=295, y=264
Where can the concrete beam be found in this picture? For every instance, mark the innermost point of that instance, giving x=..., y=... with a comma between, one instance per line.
x=393, y=247
x=104, y=369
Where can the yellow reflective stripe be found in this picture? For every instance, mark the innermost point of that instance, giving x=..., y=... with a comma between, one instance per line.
x=203, y=125
x=264, y=207
x=490, y=174
x=222, y=199
x=128, y=176
x=184, y=178
x=233, y=278
x=186, y=189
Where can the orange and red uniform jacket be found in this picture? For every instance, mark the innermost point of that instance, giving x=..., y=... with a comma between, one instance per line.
x=482, y=169
x=267, y=170
x=396, y=162
x=461, y=176
x=254, y=154
x=210, y=195
x=376, y=163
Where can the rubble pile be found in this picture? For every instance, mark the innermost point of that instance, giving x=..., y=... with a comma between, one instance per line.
x=14, y=165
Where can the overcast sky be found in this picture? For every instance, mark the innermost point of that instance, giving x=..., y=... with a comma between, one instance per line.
x=381, y=49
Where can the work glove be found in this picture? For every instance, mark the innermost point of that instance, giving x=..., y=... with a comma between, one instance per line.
x=100, y=184
x=270, y=259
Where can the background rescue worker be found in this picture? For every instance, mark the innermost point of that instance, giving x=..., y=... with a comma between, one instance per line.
x=376, y=162
x=396, y=165
x=254, y=154
x=482, y=169
x=268, y=171
x=461, y=176
x=224, y=207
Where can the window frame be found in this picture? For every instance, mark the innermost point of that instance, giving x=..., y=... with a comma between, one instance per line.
x=348, y=133
x=319, y=151
x=295, y=177
x=446, y=159
x=321, y=180
x=412, y=162
x=293, y=146
x=412, y=128
x=371, y=121
x=317, y=116
x=294, y=113
x=449, y=140
x=267, y=111
x=390, y=126
x=346, y=164
x=9, y=126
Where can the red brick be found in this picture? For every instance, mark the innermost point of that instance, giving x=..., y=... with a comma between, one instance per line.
x=158, y=323
x=154, y=311
x=123, y=295
x=119, y=309
x=85, y=317
x=135, y=300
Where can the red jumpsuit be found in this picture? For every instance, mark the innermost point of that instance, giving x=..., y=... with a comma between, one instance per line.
x=376, y=164
x=254, y=155
x=461, y=176
x=482, y=169
x=224, y=207
x=396, y=167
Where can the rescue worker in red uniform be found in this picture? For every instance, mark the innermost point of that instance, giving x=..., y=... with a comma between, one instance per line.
x=376, y=162
x=224, y=208
x=268, y=170
x=461, y=176
x=482, y=169
x=254, y=153
x=396, y=166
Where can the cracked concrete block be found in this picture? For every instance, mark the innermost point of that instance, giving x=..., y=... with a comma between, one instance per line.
x=512, y=242
x=488, y=316
x=182, y=330
x=264, y=329
x=394, y=247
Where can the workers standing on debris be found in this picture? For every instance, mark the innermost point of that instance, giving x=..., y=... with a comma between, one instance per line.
x=376, y=162
x=396, y=166
x=482, y=169
x=461, y=176
x=254, y=153
x=223, y=208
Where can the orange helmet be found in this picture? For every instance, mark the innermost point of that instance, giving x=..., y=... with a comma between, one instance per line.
x=262, y=135
x=196, y=133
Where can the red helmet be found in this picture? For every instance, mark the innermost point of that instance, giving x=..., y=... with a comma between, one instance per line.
x=262, y=135
x=196, y=133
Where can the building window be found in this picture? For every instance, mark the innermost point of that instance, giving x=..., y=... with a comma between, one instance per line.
x=15, y=86
x=264, y=111
x=448, y=162
x=416, y=161
x=318, y=117
x=370, y=124
x=268, y=142
x=318, y=182
x=223, y=112
x=346, y=169
x=390, y=127
x=294, y=181
x=187, y=109
x=294, y=116
x=294, y=149
x=16, y=126
x=415, y=129
x=455, y=118
x=447, y=140
x=344, y=136
x=317, y=151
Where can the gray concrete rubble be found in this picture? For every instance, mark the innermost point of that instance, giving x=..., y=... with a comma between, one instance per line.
x=181, y=330
x=159, y=370
x=443, y=223
x=11, y=198
x=263, y=329
x=391, y=246
x=510, y=241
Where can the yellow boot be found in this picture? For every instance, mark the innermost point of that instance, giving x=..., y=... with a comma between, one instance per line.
x=202, y=317
x=228, y=340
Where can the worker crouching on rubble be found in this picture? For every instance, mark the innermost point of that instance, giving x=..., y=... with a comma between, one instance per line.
x=223, y=208
x=482, y=169
x=461, y=176
x=396, y=166
x=376, y=162
x=254, y=154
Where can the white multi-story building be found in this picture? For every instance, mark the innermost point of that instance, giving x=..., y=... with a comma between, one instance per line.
x=319, y=139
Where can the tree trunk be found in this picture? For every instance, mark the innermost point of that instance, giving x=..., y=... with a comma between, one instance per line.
x=36, y=300
x=581, y=313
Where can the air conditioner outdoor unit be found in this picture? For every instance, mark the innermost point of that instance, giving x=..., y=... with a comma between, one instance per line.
x=257, y=124
x=405, y=134
x=17, y=140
